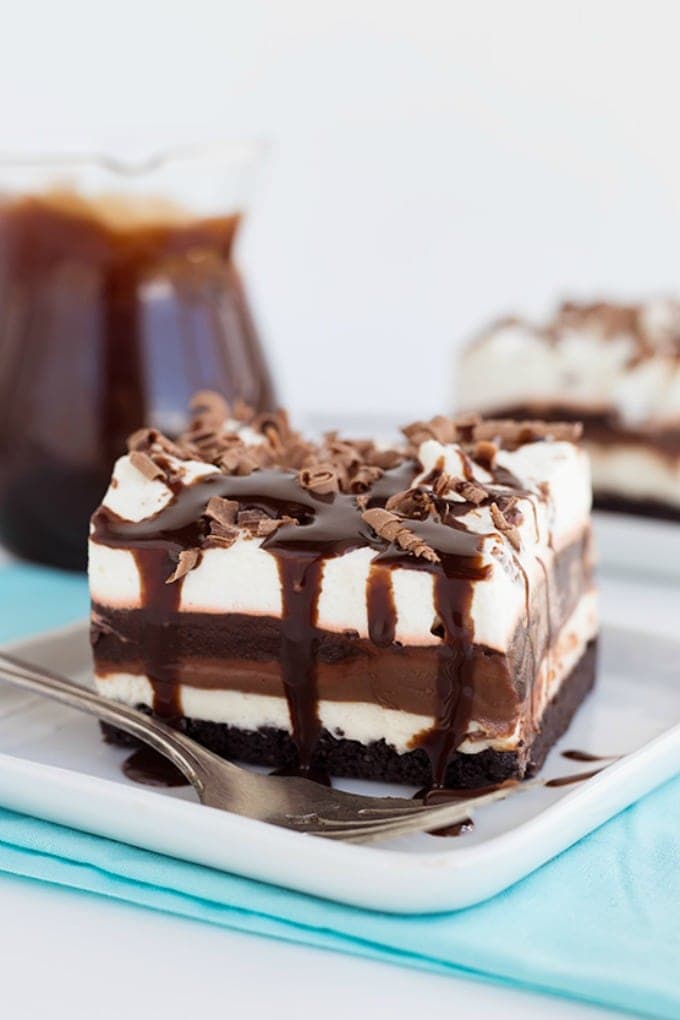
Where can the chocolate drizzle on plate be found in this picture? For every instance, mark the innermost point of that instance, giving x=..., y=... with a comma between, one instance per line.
x=150, y=768
x=587, y=756
x=578, y=777
x=456, y=829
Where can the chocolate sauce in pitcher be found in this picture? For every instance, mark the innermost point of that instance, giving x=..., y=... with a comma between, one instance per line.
x=112, y=313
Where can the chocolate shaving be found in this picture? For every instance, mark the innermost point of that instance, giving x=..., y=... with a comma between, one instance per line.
x=471, y=491
x=237, y=461
x=153, y=442
x=267, y=525
x=275, y=427
x=222, y=511
x=205, y=437
x=416, y=504
x=221, y=535
x=364, y=477
x=322, y=479
x=505, y=527
x=392, y=528
x=440, y=428
x=145, y=465
x=243, y=412
x=250, y=519
x=209, y=406
x=142, y=439
x=340, y=451
x=465, y=425
x=484, y=452
x=188, y=559
x=385, y=459
x=484, y=437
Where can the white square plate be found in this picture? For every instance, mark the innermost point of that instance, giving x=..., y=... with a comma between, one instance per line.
x=53, y=764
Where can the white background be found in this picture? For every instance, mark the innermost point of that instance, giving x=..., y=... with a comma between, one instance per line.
x=436, y=163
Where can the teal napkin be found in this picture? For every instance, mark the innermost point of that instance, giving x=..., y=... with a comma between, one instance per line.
x=599, y=923
x=34, y=599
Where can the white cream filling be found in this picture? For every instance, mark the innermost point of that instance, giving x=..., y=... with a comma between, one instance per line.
x=359, y=720
x=134, y=497
x=517, y=364
x=635, y=472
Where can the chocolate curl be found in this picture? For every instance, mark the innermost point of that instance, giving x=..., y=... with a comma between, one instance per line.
x=209, y=407
x=364, y=477
x=188, y=559
x=267, y=525
x=152, y=441
x=322, y=479
x=275, y=427
x=504, y=526
x=440, y=428
x=392, y=528
x=416, y=504
x=222, y=511
x=484, y=452
x=237, y=460
x=142, y=439
x=470, y=491
x=385, y=459
x=146, y=466
x=444, y=430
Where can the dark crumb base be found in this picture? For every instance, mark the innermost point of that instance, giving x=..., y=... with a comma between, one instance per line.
x=638, y=507
x=378, y=760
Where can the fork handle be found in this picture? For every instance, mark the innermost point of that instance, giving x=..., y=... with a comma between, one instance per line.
x=163, y=738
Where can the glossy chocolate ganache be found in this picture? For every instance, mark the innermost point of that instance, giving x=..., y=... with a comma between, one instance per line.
x=310, y=503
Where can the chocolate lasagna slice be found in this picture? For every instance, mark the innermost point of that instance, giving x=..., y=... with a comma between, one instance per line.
x=423, y=614
x=614, y=367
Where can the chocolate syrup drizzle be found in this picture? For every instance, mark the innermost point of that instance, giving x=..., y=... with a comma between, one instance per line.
x=577, y=777
x=327, y=526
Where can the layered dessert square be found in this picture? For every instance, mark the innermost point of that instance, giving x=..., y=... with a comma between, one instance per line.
x=614, y=367
x=421, y=614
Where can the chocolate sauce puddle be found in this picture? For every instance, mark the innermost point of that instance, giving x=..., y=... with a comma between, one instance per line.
x=455, y=829
x=150, y=768
x=433, y=797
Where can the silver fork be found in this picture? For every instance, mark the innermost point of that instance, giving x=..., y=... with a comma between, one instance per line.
x=288, y=801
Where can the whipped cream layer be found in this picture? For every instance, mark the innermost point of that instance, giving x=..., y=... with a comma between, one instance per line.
x=366, y=722
x=636, y=473
x=599, y=360
x=553, y=503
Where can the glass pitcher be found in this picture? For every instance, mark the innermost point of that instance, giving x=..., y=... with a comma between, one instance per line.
x=119, y=298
